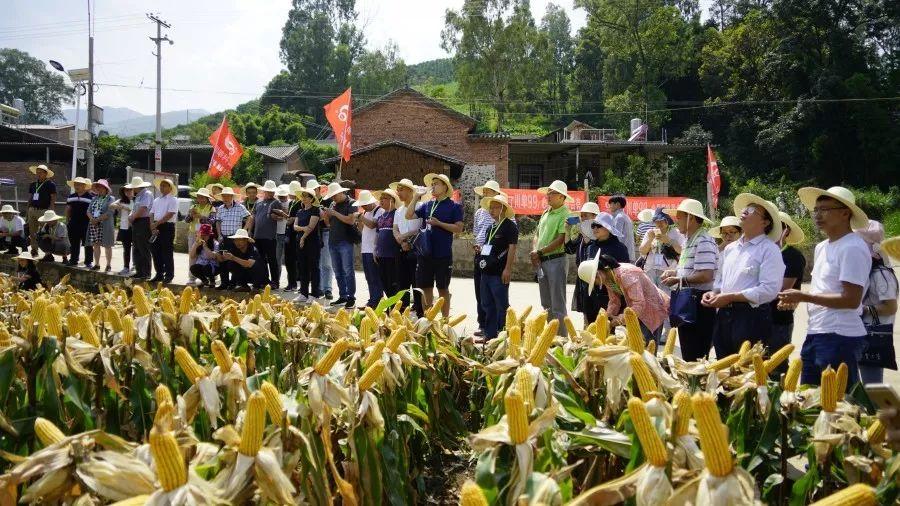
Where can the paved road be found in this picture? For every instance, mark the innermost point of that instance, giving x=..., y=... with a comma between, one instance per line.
x=521, y=294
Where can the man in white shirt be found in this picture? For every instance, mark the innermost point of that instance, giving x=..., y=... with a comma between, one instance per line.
x=140, y=226
x=404, y=231
x=163, y=214
x=750, y=278
x=369, y=212
x=623, y=223
x=12, y=227
x=841, y=264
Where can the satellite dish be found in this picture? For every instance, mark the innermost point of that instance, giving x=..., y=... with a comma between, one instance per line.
x=58, y=66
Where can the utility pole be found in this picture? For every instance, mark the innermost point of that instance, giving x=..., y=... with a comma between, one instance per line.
x=158, y=40
x=90, y=104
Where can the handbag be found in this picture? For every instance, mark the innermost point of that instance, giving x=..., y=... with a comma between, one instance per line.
x=683, y=306
x=879, y=351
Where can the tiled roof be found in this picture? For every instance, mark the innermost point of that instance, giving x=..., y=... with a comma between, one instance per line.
x=418, y=96
x=279, y=153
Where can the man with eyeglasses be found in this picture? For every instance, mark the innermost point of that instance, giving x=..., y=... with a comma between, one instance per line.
x=750, y=278
x=841, y=264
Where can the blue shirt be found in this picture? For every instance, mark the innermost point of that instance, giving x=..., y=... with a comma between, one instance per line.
x=446, y=211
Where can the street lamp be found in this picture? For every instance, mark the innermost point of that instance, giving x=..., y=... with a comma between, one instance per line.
x=77, y=78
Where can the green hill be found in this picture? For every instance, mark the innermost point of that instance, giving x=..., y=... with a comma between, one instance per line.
x=438, y=71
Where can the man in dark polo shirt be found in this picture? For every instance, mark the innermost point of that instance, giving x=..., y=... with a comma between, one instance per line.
x=42, y=196
x=77, y=220
x=442, y=219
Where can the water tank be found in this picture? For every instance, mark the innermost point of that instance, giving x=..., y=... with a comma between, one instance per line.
x=635, y=123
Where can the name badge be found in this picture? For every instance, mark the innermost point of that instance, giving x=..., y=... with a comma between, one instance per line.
x=96, y=213
x=36, y=196
x=486, y=249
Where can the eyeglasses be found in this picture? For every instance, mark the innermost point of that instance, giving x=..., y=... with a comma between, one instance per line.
x=749, y=210
x=823, y=210
x=596, y=225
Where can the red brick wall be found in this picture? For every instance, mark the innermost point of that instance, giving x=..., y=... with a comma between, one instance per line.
x=406, y=117
x=375, y=170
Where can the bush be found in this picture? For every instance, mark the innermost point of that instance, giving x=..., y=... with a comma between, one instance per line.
x=203, y=179
x=892, y=224
x=877, y=204
x=527, y=225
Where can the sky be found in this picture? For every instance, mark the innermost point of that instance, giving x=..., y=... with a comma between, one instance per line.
x=224, y=52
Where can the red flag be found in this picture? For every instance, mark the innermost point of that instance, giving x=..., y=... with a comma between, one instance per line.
x=712, y=176
x=226, y=151
x=340, y=117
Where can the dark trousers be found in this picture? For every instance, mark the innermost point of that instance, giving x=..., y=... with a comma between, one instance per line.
x=406, y=280
x=140, y=235
x=205, y=273
x=164, y=251
x=12, y=244
x=290, y=261
x=738, y=323
x=495, y=297
x=308, y=269
x=224, y=270
x=266, y=248
x=822, y=350
x=373, y=279
x=125, y=239
x=476, y=276
x=255, y=276
x=78, y=240
x=696, y=338
x=388, y=271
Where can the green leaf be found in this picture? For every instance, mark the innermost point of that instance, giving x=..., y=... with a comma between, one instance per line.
x=804, y=487
x=601, y=437
x=384, y=304
x=572, y=406
x=414, y=411
x=7, y=374
x=487, y=476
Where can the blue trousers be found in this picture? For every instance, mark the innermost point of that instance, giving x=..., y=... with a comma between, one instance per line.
x=373, y=279
x=325, y=265
x=494, y=301
x=821, y=350
x=342, y=263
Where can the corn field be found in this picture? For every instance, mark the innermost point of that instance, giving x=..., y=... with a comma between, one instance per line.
x=138, y=395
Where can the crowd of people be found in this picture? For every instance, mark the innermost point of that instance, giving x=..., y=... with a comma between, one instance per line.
x=719, y=286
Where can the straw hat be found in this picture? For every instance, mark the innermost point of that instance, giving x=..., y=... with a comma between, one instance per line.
x=689, y=206
x=312, y=184
x=8, y=209
x=294, y=187
x=250, y=185
x=590, y=207
x=312, y=192
x=891, y=247
x=283, y=190
x=334, y=189
x=35, y=168
x=136, y=183
x=104, y=183
x=587, y=271
x=727, y=221
x=646, y=216
x=158, y=183
x=366, y=198
x=809, y=195
x=269, y=186
x=796, y=235
x=745, y=199
x=241, y=234
x=559, y=187
x=429, y=180
x=78, y=180
x=25, y=255
x=389, y=192
x=606, y=220
x=48, y=216
x=227, y=191
x=403, y=182
x=501, y=198
x=490, y=185
x=203, y=192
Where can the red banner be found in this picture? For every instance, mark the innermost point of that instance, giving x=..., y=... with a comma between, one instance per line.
x=532, y=202
x=340, y=116
x=226, y=151
x=712, y=176
x=634, y=205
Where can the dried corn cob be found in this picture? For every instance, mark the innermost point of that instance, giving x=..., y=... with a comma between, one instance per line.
x=324, y=365
x=273, y=402
x=127, y=330
x=601, y=331
x=841, y=381
x=166, y=305
x=54, y=320
x=645, y=381
x=633, y=331
x=221, y=355
x=471, y=495
x=524, y=316
x=511, y=318
x=525, y=385
x=366, y=328
x=759, y=370
x=683, y=412
x=371, y=375
x=793, y=375
x=397, y=338
x=374, y=354
x=670, y=342
x=342, y=317
x=5, y=338
x=653, y=447
x=435, y=309
x=456, y=320
x=514, y=342
x=875, y=433
x=165, y=414
x=651, y=348
x=854, y=495
x=140, y=300
x=745, y=348
x=192, y=370
x=254, y=424
x=186, y=300
x=828, y=390
x=96, y=314
x=570, y=328
x=516, y=416
x=724, y=363
x=46, y=432
x=713, y=440
x=170, y=467
x=778, y=357
x=114, y=318
x=539, y=352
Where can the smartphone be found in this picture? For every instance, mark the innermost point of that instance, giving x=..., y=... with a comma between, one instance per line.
x=573, y=220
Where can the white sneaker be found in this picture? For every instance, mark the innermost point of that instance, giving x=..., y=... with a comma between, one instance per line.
x=124, y=272
x=300, y=298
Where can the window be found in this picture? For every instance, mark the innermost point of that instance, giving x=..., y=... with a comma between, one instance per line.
x=530, y=176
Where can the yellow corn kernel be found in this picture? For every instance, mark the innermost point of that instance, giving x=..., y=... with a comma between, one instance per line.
x=713, y=440
x=138, y=500
x=570, y=328
x=525, y=385
x=114, y=318
x=471, y=495
x=5, y=337
x=514, y=342
x=645, y=382
x=371, y=375
x=653, y=447
x=724, y=363
x=170, y=467
x=164, y=417
x=186, y=300
x=127, y=330
x=371, y=314
x=192, y=370
x=166, y=305
x=374, y=354
x=165, y=293
x=432, y=312
x=828, y=390
x=54, y=320
x=840, y=386
x=96, y=314
x=254, y=423
x=47, y=432
x=633, y=331
x=854, y=495
x=162, y=395
x=267, y=293
x=366, y=327
x=397, y=338
x=342, y=317
x=875, y=433
x=539, y=352
x=792, y=377
x=221, y=355
x=670, y=342
x=759, y=370
x=273, y=402
x=524, y=316
x=324, y=365
x=456, y=320
x=511, y=318
x=745, y=348
x=778, y=357
x=86, y=328
x=140, y=300
x=601, y=331
x=516, y=416
x=651, y=348
x=683, y=412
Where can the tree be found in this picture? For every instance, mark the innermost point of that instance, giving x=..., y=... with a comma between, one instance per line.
x=111, y=155
x=378, y=72
x=27, y=78
x=558, y=56
x=587, y=75
x=249, y=168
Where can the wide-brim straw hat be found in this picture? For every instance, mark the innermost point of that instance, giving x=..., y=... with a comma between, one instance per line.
x=390, y=193
x=48, y=216
x=294, y=186
x=808, y=196
x=607, y=221
x=228, y=191
x=241, y=234
x=689, y=206
x=79, y=180
x=104, y=183
x=403, y=182
x=312, y=184
x=796, y=235
x=268, y=186
x=559, y=187
x=646, y=216
x=366, y=198
x=203, y=192
x=490, y=185
x=728, y=221
x=508, y=211
x=283, y=190
x=34, y=168
x=158, y=183
x=250, y=185
x=334, y=189
x=590, y=208
x=25, y=255
x=429, y=180
x=745, y=199
x=137, y=183
x=587, y=271
x=891, y=247
x=8, y=209
x=312, y=192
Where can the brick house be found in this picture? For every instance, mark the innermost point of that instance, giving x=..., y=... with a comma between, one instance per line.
x=406, y=134
x=20, y=149
x=187, y=159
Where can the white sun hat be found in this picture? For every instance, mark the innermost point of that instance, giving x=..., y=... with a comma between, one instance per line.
x=508, y=212
x=34, y=168
x=796, y=234
x=590, y=207
x=727, y=221
x=607, y=221
x=646, y=216
x=745, y=199
x=403, y=182
x=365, y=198
x=269, y=186
x=689, y=206
x=48, y=216
x=8, y=209
x=808, y=196
x=241, y=234
x=490, y=185
x=558, y=187
x=138, y=182
x=334, y=189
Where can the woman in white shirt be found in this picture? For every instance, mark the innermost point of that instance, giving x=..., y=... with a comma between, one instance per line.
x=12, y=228
x=660, y=249
x=880, y=299
x=123, y=207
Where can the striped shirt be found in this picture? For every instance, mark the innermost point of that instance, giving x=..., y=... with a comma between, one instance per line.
x=700, y=253
x=143, y=199
x=230, y=219
x=481, y=224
